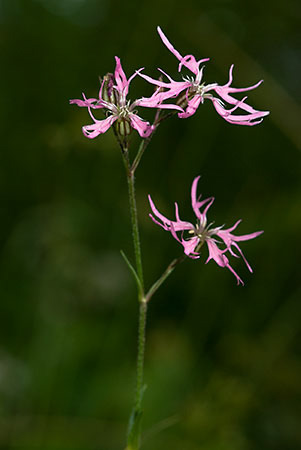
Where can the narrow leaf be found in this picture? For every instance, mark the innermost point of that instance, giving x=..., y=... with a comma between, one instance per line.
x=132, y=269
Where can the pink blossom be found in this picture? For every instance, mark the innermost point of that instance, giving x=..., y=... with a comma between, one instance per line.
x=192, y=237
x=195, y=91
x=113, y=98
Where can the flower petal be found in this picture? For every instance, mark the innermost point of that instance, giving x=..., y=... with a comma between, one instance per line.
x=99, y=127
x=224, y=92
x=120, y=78
x=230, y=240
x=87, y=102
x=216, y=253
x=196, y=204
x=174, y=88
x=243, y=256
x=231, y=89
x=192, y=106
x=220, y=259
x=156, y=212
x=246, y=237
x=169, y=45
x=227, y=236
x=189, y=244
x=246, y=119
x=155, y=101
x=193, y=65
x=239, y=280
x=188, y=61
x=144, y=128
x=178, y=225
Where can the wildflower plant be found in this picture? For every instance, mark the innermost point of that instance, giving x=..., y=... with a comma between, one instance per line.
x=182, y=97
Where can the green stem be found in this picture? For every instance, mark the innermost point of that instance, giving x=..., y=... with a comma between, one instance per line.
x=134, y=218
x=134, y=429
x=144, y=143
x=140, y=357
x=142, y=147
x=170, y=268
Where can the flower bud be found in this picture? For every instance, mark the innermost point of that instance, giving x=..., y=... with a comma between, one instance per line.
x=108, y=93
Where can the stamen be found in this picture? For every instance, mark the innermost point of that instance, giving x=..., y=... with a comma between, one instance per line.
x=189, y=79
x=123, y=111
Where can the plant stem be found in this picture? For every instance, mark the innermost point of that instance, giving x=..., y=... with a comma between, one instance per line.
x=144, y=143
x=170, y=268
x=140, y=356
x=142, y=147
x=134, y=218
x=134, y=429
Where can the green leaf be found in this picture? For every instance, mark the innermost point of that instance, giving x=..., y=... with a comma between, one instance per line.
x=132, y=269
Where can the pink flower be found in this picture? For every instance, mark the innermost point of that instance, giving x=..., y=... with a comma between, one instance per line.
x=195, y=91
x=192, y=237
x=112, y=98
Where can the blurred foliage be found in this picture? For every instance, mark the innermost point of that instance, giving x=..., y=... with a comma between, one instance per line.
x=223, y=362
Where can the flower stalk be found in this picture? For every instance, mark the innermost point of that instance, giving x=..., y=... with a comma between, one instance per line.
x=170, y=268
x=134, y=428
x=134, y=218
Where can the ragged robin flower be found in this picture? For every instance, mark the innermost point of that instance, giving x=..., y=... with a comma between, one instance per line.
x=192, y=91
x=219, y=241
x=113, y=99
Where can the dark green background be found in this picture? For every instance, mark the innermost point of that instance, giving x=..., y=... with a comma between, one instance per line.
x=222, y=362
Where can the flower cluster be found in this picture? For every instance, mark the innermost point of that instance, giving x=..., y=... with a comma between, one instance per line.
x=197, y=235
x=186, y=95
x=189, y=94
x=196, y=91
